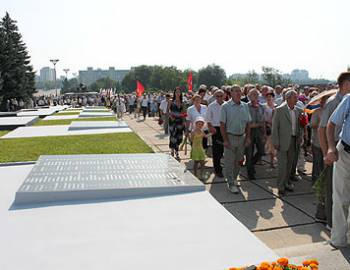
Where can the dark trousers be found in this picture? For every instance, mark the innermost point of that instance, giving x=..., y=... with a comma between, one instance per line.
x=131, y=108
x=328, y=197
x=253, y=156
x=144, y=111
x=287, y=162
x=218, y=150
x=318, y=164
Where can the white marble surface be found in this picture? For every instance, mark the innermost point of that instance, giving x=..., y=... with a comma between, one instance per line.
x=60, y=117
x=43, y=131
x=38, y=112
x=96, y=114
x=18, y=121
x=84, y=125
x=191, y=231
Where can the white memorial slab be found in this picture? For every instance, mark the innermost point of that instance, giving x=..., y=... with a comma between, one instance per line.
x=37, y=112
x=10, y=123
x=96, y=114
x=187, y=231
x=111, y=176
x=96, y=109
x=83, y=125
x=60, y=117
x=8, y=114
x=70, y=111
x=43, y=131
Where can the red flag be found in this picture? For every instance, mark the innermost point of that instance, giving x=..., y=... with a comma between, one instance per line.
x=139, y=89
x=189, y=81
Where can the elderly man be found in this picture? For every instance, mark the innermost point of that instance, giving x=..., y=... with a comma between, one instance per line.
x=264, y=91
x=341, y=174
x=257, y=133
x=235, y=130
x=286, y=138
x=328, y=109
x=213, y=120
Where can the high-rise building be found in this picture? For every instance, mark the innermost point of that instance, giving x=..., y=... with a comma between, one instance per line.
x=47, y=74
x=90, y=75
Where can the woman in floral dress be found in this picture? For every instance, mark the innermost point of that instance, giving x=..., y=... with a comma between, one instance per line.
x=176, y=122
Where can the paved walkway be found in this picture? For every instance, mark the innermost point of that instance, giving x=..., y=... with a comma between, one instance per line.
x=287, y=225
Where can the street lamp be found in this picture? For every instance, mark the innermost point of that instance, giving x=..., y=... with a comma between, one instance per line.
x=66, y=70
x=54, y=62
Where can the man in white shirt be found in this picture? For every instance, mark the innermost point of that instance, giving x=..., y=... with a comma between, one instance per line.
x=213, y=119
x=163, y=108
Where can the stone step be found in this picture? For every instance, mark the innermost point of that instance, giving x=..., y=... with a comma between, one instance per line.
x=326, y=255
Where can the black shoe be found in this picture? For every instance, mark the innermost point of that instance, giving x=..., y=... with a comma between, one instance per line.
x=320, y=215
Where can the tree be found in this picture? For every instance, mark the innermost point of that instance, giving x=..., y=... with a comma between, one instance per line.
x=252, y=77
x=70, y=85
x=273, y=77
x=212, y=75
x=16, y=72
x=104, y=83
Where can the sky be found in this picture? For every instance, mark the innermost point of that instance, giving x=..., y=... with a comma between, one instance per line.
x=238, y=35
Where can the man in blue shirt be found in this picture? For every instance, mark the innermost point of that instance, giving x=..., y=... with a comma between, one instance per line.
x=340, y=154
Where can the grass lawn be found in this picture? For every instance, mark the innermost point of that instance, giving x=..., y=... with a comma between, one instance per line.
x=66, y=113
x=29, y=149
x=3, y=132
x=68, y=121
x=97, y=111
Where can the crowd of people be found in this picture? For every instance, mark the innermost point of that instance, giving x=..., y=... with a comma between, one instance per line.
x=242, y=124
x=237, y=126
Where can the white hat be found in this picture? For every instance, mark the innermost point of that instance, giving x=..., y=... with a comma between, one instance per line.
x=199, y=119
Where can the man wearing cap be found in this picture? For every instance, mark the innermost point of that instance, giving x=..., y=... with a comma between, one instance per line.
x=286, y=137
x=235, y=130
x=213, y=120
x=330, y=106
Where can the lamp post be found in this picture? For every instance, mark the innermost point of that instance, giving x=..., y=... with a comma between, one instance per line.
x=66, y=70
x=54, y=62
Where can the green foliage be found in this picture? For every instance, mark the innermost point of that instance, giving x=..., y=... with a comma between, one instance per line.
x=273, y=77
x=157, y=78
x=319, y=186
x=69, y=86
x=28, y=149
x=212, y=75
x=104, y=83
x=47, y=85
x=17, y=76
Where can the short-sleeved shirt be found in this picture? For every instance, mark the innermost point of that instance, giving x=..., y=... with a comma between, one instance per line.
x=340, y=118
x=315, y=118
x=235, y=117
x=328, y=109
x=192, y=114
x=213, y=114
x=256, y=113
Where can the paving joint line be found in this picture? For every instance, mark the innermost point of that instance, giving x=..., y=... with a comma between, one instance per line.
x=284, y=200
x=282, y=227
